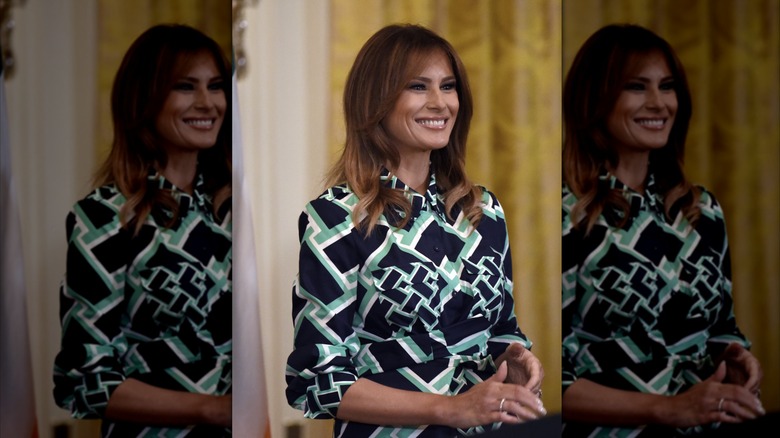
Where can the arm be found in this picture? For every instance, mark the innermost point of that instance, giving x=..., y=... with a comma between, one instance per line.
x=89, y=374
x=135, y=401
x=87, y=368
x=508, y=343
x=590, y=402
x=370, y=402
x=727, y=343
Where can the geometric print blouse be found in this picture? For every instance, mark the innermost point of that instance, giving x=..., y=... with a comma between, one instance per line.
x=156, y=307
x=426, y=308
x=646, y=307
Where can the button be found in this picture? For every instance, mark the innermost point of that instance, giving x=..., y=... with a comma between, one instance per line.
x=436, y=248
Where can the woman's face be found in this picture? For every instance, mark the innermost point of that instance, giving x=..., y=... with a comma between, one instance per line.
x=425, y=112
x=643, y=115
x=193, y=111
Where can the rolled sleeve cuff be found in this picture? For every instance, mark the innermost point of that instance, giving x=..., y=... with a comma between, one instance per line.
x=89, y=398
x=324, y=396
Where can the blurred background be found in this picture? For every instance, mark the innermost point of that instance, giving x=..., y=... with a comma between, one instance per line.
x=297, y=54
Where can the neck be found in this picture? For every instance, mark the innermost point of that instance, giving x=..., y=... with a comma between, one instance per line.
x=414, y=173
x=632, y=170
x=180, y=170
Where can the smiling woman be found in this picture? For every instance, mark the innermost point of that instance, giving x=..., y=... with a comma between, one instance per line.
x=403, y=307
x=651, y=346
x=146, y=303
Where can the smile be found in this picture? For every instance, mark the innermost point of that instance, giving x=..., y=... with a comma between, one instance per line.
x=432, y=123
x=200, y=123
x=651, y=123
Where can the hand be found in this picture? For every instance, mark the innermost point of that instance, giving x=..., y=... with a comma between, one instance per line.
x=702, y=403
x=524, y=368
x=480, y=404
x=742, y=368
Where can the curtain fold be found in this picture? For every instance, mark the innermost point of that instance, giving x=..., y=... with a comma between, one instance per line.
x=512, y=53
x=731, y=53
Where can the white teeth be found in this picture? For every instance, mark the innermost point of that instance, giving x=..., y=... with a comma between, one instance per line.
x=653, y=123
x=200, y=122
x=431, y=123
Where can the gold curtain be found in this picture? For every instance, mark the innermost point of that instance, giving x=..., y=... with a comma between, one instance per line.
x=120, y=22
x=730, y=50
x=512, y=52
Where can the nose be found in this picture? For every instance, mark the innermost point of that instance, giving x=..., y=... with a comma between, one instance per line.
x=435, y=98
x=203, y=99
x=653, y=98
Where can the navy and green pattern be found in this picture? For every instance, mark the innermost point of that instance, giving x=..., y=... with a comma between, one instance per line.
x=156, y=307
x=646, y=307
x=424, y=308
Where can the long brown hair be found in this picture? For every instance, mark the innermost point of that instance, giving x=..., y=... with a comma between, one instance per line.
x=593, y=85
x=146, y=75
x=383, y=68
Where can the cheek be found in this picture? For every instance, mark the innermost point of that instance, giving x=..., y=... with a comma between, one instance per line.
x=672, y=104
x=221, y=103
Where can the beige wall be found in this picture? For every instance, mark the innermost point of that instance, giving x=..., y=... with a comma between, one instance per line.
x=283, y=99
x=51, y=116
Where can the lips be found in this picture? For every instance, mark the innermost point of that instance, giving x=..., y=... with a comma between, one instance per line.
x=432, y=123
x=651, y=123
x=200, y=123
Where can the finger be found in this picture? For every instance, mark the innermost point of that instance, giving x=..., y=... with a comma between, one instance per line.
x=500, y=375
x=526, y=410
x=719, y=374
x=754, y=374
x=742, y=412
x=534, y=377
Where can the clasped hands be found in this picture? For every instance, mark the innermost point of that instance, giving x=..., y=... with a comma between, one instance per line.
x=730, y=395
x=511, y=395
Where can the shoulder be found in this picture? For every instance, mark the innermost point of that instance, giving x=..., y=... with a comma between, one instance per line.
x=709, y=205
x=103, y=202
x=491, y=206
x=567, y=198
x=98, y=210
x=488, y=199
x=331, y=207
x=707, y=198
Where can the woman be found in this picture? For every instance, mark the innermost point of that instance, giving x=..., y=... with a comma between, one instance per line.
x=146, y=301
x=650, y=346
x=403, y=309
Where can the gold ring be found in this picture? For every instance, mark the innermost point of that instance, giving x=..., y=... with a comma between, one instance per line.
x=501, y=405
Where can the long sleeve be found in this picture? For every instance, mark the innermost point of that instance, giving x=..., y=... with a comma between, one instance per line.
x=507, y=329
x=712, y=224
x=570, y=264
x=87, y=369
x=320, y=369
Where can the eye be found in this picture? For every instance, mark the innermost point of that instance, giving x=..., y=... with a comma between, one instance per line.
x=217, y=86
x=634, y=86
x=417, y=86
x=667, y=86
x=183, y=86
x=448, y=86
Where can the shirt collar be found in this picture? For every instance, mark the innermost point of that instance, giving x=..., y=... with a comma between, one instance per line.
x=198, y=199
x=430, y=200
x=651, y=200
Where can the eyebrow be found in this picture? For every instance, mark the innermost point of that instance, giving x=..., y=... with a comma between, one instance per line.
x=428, y=80
x=194, y=79
x=645, y=79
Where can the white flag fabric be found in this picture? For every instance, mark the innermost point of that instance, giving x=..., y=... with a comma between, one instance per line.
x=17, y=401
x=250, y=404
